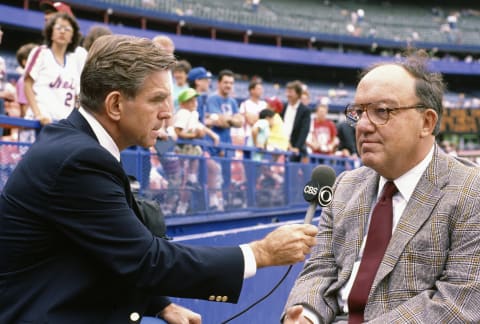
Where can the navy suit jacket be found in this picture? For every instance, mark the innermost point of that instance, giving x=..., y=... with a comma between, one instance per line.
x=301, y=127
x=73, y=250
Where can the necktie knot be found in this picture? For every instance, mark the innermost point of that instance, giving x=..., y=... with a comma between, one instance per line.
x=389, y=189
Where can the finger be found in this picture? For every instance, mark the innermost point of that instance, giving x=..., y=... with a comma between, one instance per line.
x=196, y=320
x=306, y=250
x=310, y=241
x=310, y=229
x=294, y=312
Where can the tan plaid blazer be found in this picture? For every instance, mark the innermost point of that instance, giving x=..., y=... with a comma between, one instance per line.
x=431, y=270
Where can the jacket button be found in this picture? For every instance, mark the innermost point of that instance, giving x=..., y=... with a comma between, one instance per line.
x=219, y=298
x=211, y=298
x=224, y=299
x=134, y=317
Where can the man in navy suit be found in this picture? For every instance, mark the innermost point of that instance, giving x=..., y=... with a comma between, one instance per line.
x=296, y=121
x=72, y=247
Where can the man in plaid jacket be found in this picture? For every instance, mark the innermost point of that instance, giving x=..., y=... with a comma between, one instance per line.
x=430, y=270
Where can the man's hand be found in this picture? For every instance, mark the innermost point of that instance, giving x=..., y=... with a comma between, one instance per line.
x=294, y=315
x=287, y=244
x=175, y=314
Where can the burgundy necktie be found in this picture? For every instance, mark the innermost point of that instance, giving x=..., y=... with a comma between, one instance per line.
x=379, y=233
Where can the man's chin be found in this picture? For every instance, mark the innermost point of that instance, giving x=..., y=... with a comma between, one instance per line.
x=368, y=159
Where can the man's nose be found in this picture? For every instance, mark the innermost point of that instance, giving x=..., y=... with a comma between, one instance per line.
x=364, y=122
x=166, y=109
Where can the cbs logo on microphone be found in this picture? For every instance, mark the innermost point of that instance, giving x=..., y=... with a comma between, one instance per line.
x=323, y=195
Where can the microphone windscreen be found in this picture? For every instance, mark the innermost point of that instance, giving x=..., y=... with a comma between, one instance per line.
x=323, y=175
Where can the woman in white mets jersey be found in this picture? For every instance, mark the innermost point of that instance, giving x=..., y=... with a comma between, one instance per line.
x=52, y=76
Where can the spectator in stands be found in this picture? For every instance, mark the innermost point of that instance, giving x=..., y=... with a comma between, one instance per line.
x=93, y=33
x=346, y=140
x=52, y=79
x=449, y=147
x=49, y=9
x=22, y=55
x=250, y=109
x=199, y=79
x=73, y=244
x=277, y=139
x=149, y=4
x=165, y=42
x=414, y=256
x=4, y=94
x=221, y=115
x=322, y=138
x=296, y=119
x=222, y=110
x=261, y=132
x=305, y=98
x=180, y=73
x=8, y=95
x=254, y=5
x=187, y=126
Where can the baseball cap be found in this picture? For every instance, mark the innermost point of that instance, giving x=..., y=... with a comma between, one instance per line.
x=186, y=95
x=198, y=73
x=275, y=103
x=46, y=5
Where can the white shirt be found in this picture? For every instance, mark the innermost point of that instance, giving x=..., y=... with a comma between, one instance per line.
x=289, y=118
x=187, y=120
x=107, y=142
x=55, y=86
x=249, y=107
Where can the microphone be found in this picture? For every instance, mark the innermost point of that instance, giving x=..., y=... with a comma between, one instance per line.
x=318, y=191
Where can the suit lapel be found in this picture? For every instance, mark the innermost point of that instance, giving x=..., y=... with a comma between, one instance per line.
x=418, y=210
x=79, y=122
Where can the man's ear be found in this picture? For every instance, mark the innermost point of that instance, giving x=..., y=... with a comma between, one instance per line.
x=113, y=105
x=430, y=118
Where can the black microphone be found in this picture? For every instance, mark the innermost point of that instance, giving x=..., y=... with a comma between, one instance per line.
x=318, y=191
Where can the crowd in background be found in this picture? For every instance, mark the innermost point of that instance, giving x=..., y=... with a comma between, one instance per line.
x=49, y=85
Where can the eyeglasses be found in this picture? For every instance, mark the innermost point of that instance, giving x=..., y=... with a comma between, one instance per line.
x=63, y=28
x=377, y=113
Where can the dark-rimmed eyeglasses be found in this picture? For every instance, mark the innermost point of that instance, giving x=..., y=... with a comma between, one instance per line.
x=377, y=113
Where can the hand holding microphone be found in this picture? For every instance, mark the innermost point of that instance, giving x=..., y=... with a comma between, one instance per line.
x=291, y=243
x=288, y=244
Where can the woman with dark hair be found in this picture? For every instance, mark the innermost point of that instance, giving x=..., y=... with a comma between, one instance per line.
x=52, y=75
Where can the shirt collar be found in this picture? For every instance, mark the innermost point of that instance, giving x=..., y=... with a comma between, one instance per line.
x=105, y=140
x=295, y=106
x=407, y=182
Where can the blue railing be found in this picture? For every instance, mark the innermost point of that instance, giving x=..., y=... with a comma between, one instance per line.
x=239, y=182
